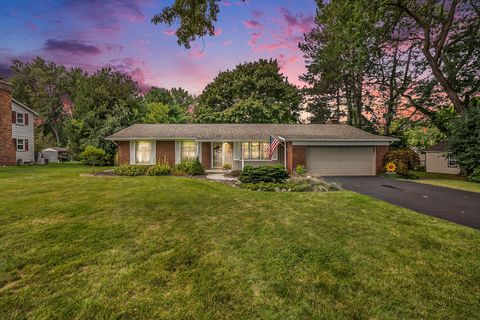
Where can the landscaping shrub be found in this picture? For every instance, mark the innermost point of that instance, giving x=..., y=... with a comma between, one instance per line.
x=235, y=173
x=159, y=170
x=189, y=167
x=404, y=160
x=310, y=184
x=268, y=173
x=293, y=185
x=131, y=170
x=475, y=176
x=300, y=170
x=227, y=166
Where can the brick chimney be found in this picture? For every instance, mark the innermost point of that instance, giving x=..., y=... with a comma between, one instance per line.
x=332, y=121
x=7, y=147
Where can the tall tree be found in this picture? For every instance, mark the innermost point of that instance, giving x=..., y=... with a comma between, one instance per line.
x=447, y=33
x=47, y=88
x=106, y=101
x=254, y=92
x=167, y=106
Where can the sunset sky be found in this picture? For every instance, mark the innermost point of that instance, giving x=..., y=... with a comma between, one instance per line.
x=91, y=34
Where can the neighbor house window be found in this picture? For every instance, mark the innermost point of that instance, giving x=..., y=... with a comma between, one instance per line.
x=188, y=150
x=21, y=144
x=143, y=152
x=20, y=118
x=255, y=150
x=452, y=162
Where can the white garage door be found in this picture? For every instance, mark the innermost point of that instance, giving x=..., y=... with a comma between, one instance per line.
x=340, y=161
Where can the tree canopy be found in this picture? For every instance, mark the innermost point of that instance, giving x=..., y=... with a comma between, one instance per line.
x=253, y=92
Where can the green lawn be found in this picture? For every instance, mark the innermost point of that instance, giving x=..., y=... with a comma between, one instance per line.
x=76, y=247
x=447, y=180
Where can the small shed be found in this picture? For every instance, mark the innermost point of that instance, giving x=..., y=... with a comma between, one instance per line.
x=438, y=159
x=54, y=154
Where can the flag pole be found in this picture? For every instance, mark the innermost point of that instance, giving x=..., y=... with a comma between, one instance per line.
x=284, y=151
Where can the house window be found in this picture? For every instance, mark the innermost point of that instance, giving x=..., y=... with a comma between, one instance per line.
x=20, y=118
x=21, y=144
x=452, y=162
x=188, y=150
x=143, y=152
x=255, y=150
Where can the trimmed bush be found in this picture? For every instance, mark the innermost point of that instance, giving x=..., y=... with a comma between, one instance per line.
x=404, y=160
x=131, y=170
x=268, y=173
x=190, y=167
x=159, y=170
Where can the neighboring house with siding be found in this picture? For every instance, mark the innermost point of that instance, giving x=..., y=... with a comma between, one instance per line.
x=324, y=149
x=16, y=129
x=439, y=160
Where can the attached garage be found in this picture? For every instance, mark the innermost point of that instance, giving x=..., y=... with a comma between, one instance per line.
x=341, y=161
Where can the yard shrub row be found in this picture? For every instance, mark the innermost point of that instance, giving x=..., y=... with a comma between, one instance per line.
x=193, y=167
x=269, y=173
x=293, y=185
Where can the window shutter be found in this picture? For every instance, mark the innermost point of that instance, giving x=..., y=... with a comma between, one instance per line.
x=178, y=150
x=14, y=117
x=25, y=142
x=153, y=152
x=15, y=144
x=25, y=117
x=132, y=152
x=199, y=150
x=237, y=151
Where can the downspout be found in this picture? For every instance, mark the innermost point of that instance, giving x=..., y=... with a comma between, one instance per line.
x=241, y=149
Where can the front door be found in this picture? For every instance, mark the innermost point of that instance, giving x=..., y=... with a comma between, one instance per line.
x=217, y=156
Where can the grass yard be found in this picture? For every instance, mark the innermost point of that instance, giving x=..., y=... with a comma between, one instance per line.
x=76, y=247
x=447, y=180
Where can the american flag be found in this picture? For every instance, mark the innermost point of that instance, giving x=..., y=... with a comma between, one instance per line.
x=274, y=142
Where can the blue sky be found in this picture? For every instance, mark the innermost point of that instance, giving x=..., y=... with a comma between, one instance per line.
x=91, y=34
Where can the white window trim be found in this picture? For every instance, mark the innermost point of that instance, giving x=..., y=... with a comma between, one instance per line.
x=274, y=157
x=23, y=145
x=22, y=123
x=451, y=158
x=133, y=153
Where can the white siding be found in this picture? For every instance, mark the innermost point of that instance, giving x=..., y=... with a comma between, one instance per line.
x=438, y=162
x=24, y=132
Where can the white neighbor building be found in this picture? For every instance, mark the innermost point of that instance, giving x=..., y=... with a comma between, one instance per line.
x=23, y=119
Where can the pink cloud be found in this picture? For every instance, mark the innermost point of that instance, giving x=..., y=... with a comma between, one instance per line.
x=170, y=32
x=257, y=14
x=226, y=43
x=252, y=24
x=218, y=31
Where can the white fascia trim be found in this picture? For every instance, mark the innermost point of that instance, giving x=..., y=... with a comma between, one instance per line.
x=340, y=143
x=18, y=103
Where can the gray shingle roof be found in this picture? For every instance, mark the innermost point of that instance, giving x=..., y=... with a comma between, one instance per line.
x=442, y=146
x=232, y=132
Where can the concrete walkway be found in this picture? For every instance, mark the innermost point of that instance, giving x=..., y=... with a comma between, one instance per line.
x=219, y=177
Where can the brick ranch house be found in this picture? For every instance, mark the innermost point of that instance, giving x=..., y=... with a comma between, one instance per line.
x=324, y=149
x=16, y=129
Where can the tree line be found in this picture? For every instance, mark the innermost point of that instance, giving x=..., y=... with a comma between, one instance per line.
x=77, y=109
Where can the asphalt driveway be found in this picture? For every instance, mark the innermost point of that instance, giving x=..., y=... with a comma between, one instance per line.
x=458, y=206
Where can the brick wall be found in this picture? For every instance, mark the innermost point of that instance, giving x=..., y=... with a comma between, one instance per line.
x=7, y=146
x=381, y=151
x=166, y=152
x=296, y=155
x=123, y=152
x=206, y=155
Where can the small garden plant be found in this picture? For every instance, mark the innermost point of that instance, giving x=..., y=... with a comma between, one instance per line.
x=93, y=155
x=301, y=170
